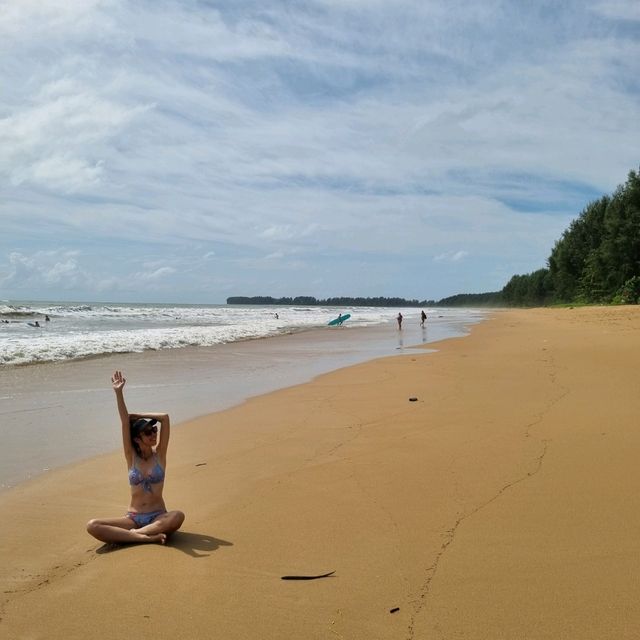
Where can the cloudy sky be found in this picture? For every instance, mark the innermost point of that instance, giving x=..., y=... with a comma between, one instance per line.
x=185, y=150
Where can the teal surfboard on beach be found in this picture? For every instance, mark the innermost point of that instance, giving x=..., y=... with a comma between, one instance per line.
x=339, y=320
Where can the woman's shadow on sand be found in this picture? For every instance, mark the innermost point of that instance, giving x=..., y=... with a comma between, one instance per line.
x=196, y=545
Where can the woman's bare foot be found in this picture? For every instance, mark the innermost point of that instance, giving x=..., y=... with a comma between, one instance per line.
x=160, y=538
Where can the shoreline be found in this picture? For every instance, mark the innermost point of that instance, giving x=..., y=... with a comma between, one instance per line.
x=62, y=412
x=499, y=504
x=84, y=331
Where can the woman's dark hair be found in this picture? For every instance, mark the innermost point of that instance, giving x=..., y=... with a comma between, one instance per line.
x=135, y=427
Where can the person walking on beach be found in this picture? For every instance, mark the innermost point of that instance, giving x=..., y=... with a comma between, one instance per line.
x=147, y=519
x=423, y=317
x=399, y=319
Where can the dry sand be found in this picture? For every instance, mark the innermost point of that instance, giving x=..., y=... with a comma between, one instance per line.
x=500, y=504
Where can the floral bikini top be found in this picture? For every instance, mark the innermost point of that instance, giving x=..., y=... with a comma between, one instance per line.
x=155, y=476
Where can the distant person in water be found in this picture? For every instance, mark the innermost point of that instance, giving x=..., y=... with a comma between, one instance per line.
x=147, y=519
x=47, y=319
x=399, y=319
x=423, y=317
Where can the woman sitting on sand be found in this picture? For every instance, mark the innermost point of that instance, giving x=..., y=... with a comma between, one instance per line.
x=147, y=519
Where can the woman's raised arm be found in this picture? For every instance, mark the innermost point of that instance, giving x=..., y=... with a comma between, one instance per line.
x=165, y=432
x=118, y=381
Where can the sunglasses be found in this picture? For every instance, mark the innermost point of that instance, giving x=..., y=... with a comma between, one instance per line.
x=150, y=431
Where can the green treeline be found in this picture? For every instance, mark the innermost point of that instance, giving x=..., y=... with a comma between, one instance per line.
x=310, y=301
x=490, y=299
x=597, y=259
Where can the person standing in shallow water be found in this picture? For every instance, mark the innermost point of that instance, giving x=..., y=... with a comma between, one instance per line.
x=423, y=317
x=399, y=319
x=147, y=519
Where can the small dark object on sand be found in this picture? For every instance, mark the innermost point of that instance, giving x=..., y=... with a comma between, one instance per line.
x=324, y=575
x=394, y=609
x=414, y=399
x=201, y=464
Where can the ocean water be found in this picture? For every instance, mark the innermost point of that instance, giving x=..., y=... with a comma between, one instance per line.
x=80, y=330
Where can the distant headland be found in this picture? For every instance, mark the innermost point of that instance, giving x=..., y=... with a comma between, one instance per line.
x=465, y=299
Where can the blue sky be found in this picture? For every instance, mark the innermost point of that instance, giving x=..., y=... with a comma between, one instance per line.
x=167, y=150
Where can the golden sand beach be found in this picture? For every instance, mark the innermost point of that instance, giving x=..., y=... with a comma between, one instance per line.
x=502, y=503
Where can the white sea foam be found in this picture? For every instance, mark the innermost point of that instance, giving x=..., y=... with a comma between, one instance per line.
x=79, y=330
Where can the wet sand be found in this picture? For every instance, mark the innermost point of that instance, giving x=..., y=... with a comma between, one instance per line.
x=500, y=504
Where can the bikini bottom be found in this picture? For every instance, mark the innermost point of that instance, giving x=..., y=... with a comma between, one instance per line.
x=143, y=519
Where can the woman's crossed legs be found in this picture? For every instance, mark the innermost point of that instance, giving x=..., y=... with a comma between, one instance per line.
x=126, y=530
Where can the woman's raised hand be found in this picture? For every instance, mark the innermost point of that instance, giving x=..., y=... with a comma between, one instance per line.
x=117, y=380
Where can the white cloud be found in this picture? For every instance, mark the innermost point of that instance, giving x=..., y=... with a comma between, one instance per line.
x=25, y=16
x=72, y=270
x=41, y=269
x=283, y=231
x=458, y=255
x=59, y=172
x=454, y=256
x=621, y=9
x=162, y=272
x=58, y=142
